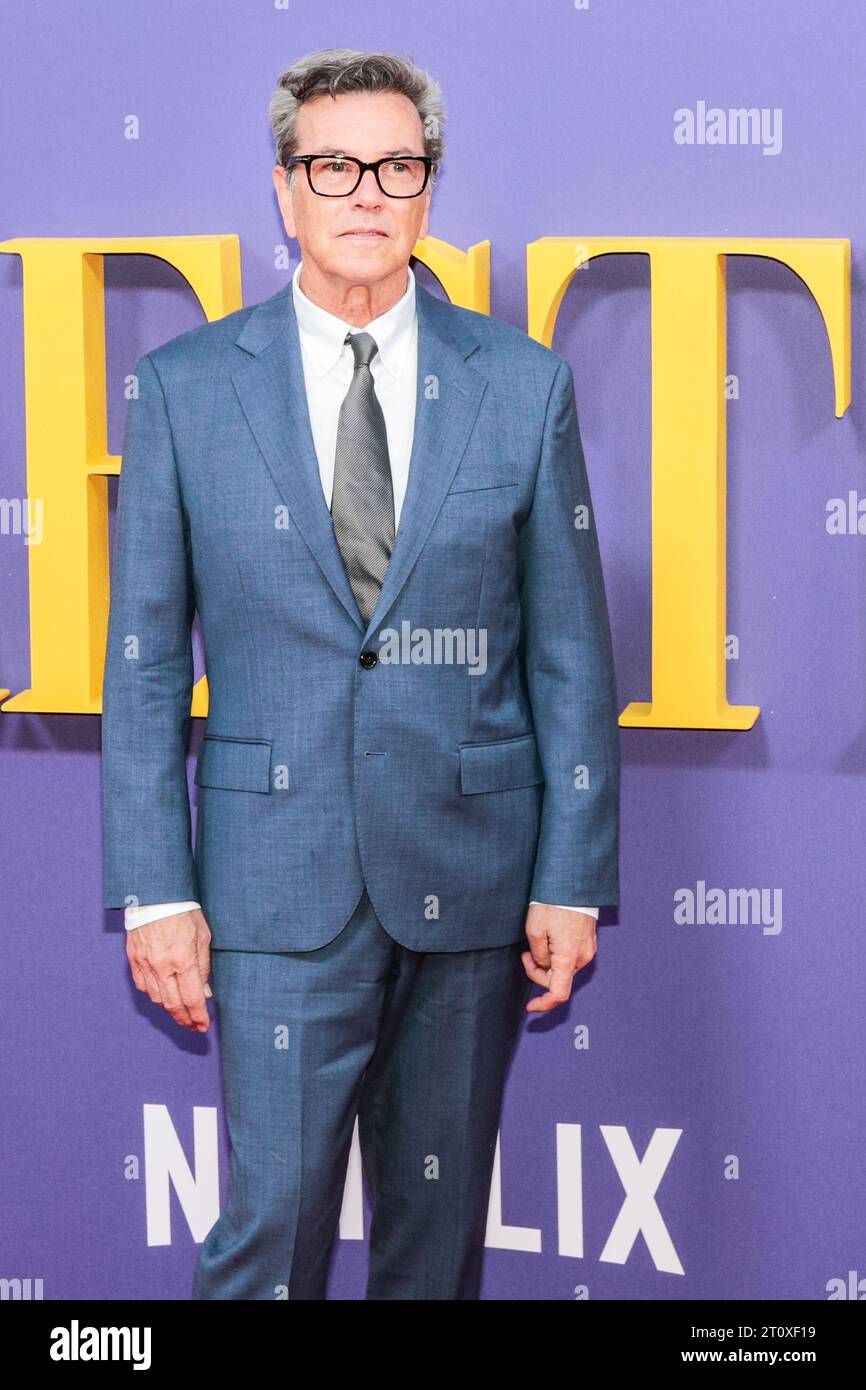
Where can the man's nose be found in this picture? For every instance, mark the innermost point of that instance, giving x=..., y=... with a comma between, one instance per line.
x=368, y=189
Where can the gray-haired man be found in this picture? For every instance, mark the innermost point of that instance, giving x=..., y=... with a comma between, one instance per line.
x=388, y=852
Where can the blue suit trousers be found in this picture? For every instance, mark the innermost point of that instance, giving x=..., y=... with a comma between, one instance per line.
x=416, y=1045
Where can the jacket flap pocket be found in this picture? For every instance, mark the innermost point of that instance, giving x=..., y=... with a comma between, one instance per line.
x=238, y=764
x=494, y=767
x=479, y=474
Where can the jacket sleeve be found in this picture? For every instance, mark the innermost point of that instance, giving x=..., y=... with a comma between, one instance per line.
x=567, y=656
x=147, y=685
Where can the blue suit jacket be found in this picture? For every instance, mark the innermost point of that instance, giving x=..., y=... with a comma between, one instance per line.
x=455, y=796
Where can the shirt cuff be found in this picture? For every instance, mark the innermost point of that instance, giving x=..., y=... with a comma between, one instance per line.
x=590, y=911
x=137, y=916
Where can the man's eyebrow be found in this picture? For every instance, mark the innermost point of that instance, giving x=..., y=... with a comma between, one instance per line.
x=330, y=149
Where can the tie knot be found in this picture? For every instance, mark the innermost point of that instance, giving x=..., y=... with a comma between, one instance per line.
x=363, y=346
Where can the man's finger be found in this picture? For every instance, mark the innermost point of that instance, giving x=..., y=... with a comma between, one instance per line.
x=151, y=979
x=172, y=1001
x=538, y=974
x=539, y=945
x=559, y=992
x=202, y=942
x=191, y=991
x=138, y=976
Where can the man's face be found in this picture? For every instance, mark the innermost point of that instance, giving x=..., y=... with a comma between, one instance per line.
x=366, y=237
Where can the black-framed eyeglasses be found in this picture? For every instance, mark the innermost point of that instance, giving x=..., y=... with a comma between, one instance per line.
x=337, y=175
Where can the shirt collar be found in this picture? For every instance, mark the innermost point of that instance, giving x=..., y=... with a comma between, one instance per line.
x=324, y=333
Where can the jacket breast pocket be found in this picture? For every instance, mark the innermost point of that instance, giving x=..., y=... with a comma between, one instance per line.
x=496, y=767
x=238, y=764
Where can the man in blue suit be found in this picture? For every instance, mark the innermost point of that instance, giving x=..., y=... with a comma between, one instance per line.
x=409, y=780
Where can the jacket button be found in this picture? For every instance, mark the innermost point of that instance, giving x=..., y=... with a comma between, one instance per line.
x=368, y=659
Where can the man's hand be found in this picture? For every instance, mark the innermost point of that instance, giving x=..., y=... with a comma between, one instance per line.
x=170, y=961
x=560, y=944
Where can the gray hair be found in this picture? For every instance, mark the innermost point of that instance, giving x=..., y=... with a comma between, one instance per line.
x=333, y=71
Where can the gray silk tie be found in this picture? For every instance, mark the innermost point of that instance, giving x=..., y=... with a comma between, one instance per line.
x=362, y=502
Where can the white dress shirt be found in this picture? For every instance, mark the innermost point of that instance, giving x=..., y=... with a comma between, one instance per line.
x=329, y=365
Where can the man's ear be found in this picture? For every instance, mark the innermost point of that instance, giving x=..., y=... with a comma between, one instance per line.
x=284, y=197
x=425, y=221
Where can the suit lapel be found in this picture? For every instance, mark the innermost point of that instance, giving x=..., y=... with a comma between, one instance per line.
x=274, y=399
x=273, y=396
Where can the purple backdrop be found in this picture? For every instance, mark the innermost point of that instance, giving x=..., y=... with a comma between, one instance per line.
x=750, y=1043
